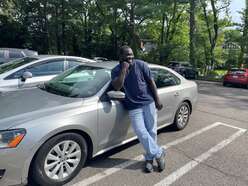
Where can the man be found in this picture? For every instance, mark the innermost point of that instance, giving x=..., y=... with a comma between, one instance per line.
x=141, y=101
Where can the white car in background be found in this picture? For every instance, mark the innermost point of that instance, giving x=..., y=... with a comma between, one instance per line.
x=28, y=72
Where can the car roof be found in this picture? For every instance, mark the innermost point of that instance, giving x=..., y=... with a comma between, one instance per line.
x=46, y=56
x=16, y=49
x=104, y=64
x=112, y=64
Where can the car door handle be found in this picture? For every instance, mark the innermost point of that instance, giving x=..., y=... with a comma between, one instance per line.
x=176, y=94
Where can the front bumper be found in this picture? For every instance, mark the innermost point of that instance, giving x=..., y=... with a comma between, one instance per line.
x=12, y=163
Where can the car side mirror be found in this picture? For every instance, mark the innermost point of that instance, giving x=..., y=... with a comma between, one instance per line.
x=26, y=75
x=116, y=95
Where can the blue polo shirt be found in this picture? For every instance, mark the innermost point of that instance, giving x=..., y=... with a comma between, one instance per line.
x=136, y=88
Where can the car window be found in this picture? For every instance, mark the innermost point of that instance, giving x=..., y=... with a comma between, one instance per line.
x=173, y=64
x=186, y=65
x=1, y=53
x=237, y=71
x=47, y=68
x=73, y=63
x=164, y=78
x=15, y=54
x=15, y=64
x=82, y=81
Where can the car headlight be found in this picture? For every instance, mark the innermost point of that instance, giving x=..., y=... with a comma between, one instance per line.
x=11, y=138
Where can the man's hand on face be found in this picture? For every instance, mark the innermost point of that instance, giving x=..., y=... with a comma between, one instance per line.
x=126, y=58
x=158, y=105
x=125, y=65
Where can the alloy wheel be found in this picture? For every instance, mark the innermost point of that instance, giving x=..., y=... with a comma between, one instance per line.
x=62, y=160
x=183, y=116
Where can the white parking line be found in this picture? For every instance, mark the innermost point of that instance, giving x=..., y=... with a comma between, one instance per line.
x=231, y=126
x=116, y=168
x=189, y=166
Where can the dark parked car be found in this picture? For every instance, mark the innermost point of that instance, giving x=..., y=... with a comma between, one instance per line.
x=236, y=76
x=8, y=54
x=184, y=68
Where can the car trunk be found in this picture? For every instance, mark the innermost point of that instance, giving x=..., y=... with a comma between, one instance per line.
x=237, y=76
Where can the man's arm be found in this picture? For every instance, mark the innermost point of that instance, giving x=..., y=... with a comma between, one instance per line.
x=153, y=87
x=118, y=82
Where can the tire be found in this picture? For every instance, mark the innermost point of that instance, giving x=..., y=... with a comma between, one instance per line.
x=75, y=161
x=225, y=84
x=180, y=122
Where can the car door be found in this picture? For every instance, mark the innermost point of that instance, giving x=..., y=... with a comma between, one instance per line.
x=169, y=90
x=113, y=122
x=42, y=72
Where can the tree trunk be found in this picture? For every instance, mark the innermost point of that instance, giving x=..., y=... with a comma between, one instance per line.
x=162, y=29
x=133, y=39
x=57, y=31
x=192, y=33
x=46, y=28
x=115, y=44
x=212, y=31
x=63, y=27
x=245, y=35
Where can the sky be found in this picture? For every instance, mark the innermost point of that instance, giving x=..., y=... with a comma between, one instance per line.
x=236, y=5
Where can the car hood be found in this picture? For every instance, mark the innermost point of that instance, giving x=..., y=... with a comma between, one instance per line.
x=25, y=105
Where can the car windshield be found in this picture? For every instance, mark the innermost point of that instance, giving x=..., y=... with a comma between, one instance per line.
x=173, y=64
x=186, y=65
x=237, y=71
x=15, y=64
x=81, y=81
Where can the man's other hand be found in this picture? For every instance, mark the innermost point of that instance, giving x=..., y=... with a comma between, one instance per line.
x=159, y=105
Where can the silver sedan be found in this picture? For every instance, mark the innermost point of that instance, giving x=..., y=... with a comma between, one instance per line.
x=27, y=72
x=48, y=133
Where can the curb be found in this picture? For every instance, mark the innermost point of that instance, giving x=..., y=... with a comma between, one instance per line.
x=208, y=82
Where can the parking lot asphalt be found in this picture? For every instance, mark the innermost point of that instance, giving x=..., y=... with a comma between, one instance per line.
x=211, y=150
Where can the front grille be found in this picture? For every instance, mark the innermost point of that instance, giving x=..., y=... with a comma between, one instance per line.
x=2, y=171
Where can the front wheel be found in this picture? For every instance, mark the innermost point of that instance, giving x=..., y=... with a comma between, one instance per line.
x=59, y=160
x=182, y=116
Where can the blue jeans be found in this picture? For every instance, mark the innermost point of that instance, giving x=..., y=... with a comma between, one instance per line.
x=144, y=123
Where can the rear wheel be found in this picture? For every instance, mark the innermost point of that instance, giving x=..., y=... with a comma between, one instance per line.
x=59, y=160
x=182, y=116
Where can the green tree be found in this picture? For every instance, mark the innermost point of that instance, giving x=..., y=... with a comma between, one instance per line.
x=213, y=23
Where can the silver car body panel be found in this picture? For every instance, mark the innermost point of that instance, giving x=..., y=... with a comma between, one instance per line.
x=104, y=121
